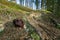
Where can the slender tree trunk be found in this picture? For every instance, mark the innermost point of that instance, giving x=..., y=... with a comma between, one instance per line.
x=37, y=4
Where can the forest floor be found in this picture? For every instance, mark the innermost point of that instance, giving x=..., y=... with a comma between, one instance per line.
x=44, y=29
x=36, y=27
x=8, y=31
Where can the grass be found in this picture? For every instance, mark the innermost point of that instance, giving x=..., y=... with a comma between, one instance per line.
x=6, y=11
x=15, y=6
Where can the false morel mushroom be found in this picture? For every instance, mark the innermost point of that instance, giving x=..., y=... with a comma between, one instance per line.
x=18, y=23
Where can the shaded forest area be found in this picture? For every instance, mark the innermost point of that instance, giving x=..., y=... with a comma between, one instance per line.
x=41, y=19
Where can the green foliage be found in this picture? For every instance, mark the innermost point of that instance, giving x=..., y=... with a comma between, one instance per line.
x=43, y=11
x=32, y=31
x=58, y=26
x=35, y=36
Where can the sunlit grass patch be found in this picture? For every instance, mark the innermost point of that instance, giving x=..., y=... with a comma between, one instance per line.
x=15, y=6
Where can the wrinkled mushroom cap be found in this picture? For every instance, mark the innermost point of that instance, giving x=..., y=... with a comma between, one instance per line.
x=18, y=23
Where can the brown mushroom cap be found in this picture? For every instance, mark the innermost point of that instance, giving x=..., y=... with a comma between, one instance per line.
x=18, y=23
